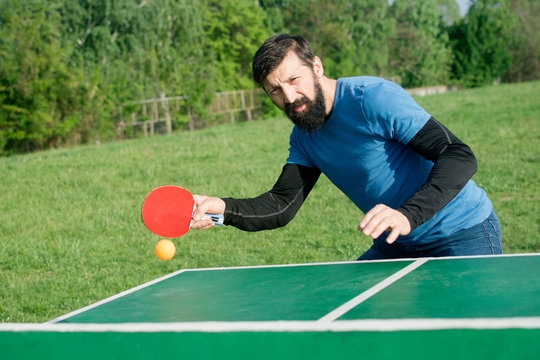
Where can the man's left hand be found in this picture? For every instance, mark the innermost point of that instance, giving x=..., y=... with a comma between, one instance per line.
x=383, y=218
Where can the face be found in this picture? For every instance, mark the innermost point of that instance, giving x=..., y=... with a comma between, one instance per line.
x=295, y=89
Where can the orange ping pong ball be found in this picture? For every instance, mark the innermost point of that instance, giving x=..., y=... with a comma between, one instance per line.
x=165, y=249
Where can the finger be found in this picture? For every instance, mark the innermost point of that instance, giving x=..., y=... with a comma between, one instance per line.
x=203, y=224
x=393, y=236
x=370, y=215
x=382, y=226
x=200, y=208
x=207, y=204
x=377, y=221
x=198, y=214
x=207, y=225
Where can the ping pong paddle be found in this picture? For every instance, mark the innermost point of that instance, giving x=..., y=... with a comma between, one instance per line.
x=167, y=211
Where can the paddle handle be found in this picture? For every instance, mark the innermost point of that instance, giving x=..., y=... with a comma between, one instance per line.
x=217, y=219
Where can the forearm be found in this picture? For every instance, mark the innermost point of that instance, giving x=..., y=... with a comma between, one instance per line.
x=454, y=165
x=275, y=208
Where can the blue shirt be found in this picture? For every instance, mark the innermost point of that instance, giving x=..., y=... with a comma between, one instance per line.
x=362, y=150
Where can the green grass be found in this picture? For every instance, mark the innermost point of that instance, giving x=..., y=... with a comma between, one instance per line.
x=70, y=229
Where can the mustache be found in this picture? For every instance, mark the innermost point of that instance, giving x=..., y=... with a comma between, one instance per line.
x=296, y=103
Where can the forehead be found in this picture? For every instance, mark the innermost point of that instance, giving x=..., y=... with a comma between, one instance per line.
x=291, y=65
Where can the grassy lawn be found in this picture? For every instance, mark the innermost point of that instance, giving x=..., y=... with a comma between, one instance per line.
x=70, y=229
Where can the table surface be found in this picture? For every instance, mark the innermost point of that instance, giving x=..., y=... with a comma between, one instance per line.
x=469, y=307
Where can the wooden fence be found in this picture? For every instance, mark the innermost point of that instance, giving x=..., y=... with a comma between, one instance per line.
x=164, y=114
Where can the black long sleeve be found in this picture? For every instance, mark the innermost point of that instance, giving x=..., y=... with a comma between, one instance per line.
x=454, y=165
x=276, y=207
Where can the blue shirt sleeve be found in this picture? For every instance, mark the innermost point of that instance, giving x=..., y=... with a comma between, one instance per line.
x=392, y=112
x=296, y=155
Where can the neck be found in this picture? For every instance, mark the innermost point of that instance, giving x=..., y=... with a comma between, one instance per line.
x=328, y=87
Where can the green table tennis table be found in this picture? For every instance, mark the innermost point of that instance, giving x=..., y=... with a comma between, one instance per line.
x=442, y=308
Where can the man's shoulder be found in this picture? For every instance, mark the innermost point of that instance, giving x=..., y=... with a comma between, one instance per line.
x=367, y=81
x=374, y=88
x=368, y=90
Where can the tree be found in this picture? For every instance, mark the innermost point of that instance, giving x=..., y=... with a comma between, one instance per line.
x=273, y=9
x=480, y=43
x=136, y=49
x=37, y=90
x=349, y=36
x=420, y=54
x=68, y=67
x=449, y=11
x=234, y=30
x=370, y=29
x=144, y=42
x=524, y=42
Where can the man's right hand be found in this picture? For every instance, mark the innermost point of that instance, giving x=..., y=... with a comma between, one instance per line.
x=206, y=205
x=383, y=218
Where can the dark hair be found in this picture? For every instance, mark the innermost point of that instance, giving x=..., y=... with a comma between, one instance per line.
x=274, y=50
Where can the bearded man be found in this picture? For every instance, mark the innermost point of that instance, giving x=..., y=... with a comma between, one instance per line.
x=404, y=170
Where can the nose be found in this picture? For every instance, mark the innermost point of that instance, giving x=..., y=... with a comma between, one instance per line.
x=289, y=94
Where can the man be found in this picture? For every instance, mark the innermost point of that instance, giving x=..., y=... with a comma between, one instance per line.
x=407, y=172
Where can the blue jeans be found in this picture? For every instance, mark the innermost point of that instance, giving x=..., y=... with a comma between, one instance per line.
x=481, y=239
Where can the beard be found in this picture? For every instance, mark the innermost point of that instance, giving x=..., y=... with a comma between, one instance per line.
x=313, y=117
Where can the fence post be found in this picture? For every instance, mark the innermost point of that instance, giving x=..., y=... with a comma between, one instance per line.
x=154, y=118
x=248, y=108
x=191, y=124
x=243, y=98
x=165, y=106
x=231, y=113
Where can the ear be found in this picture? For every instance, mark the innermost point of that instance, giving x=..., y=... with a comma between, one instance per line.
x=318, y=67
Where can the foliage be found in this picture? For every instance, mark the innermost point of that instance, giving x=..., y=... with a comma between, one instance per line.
x=419, y=53
x=480, y=43
x=350, y=36
x=70, y=71
x=142, y=49
x=37, y=90
x=449, y=10
x=524, y=44
x=233, y=31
